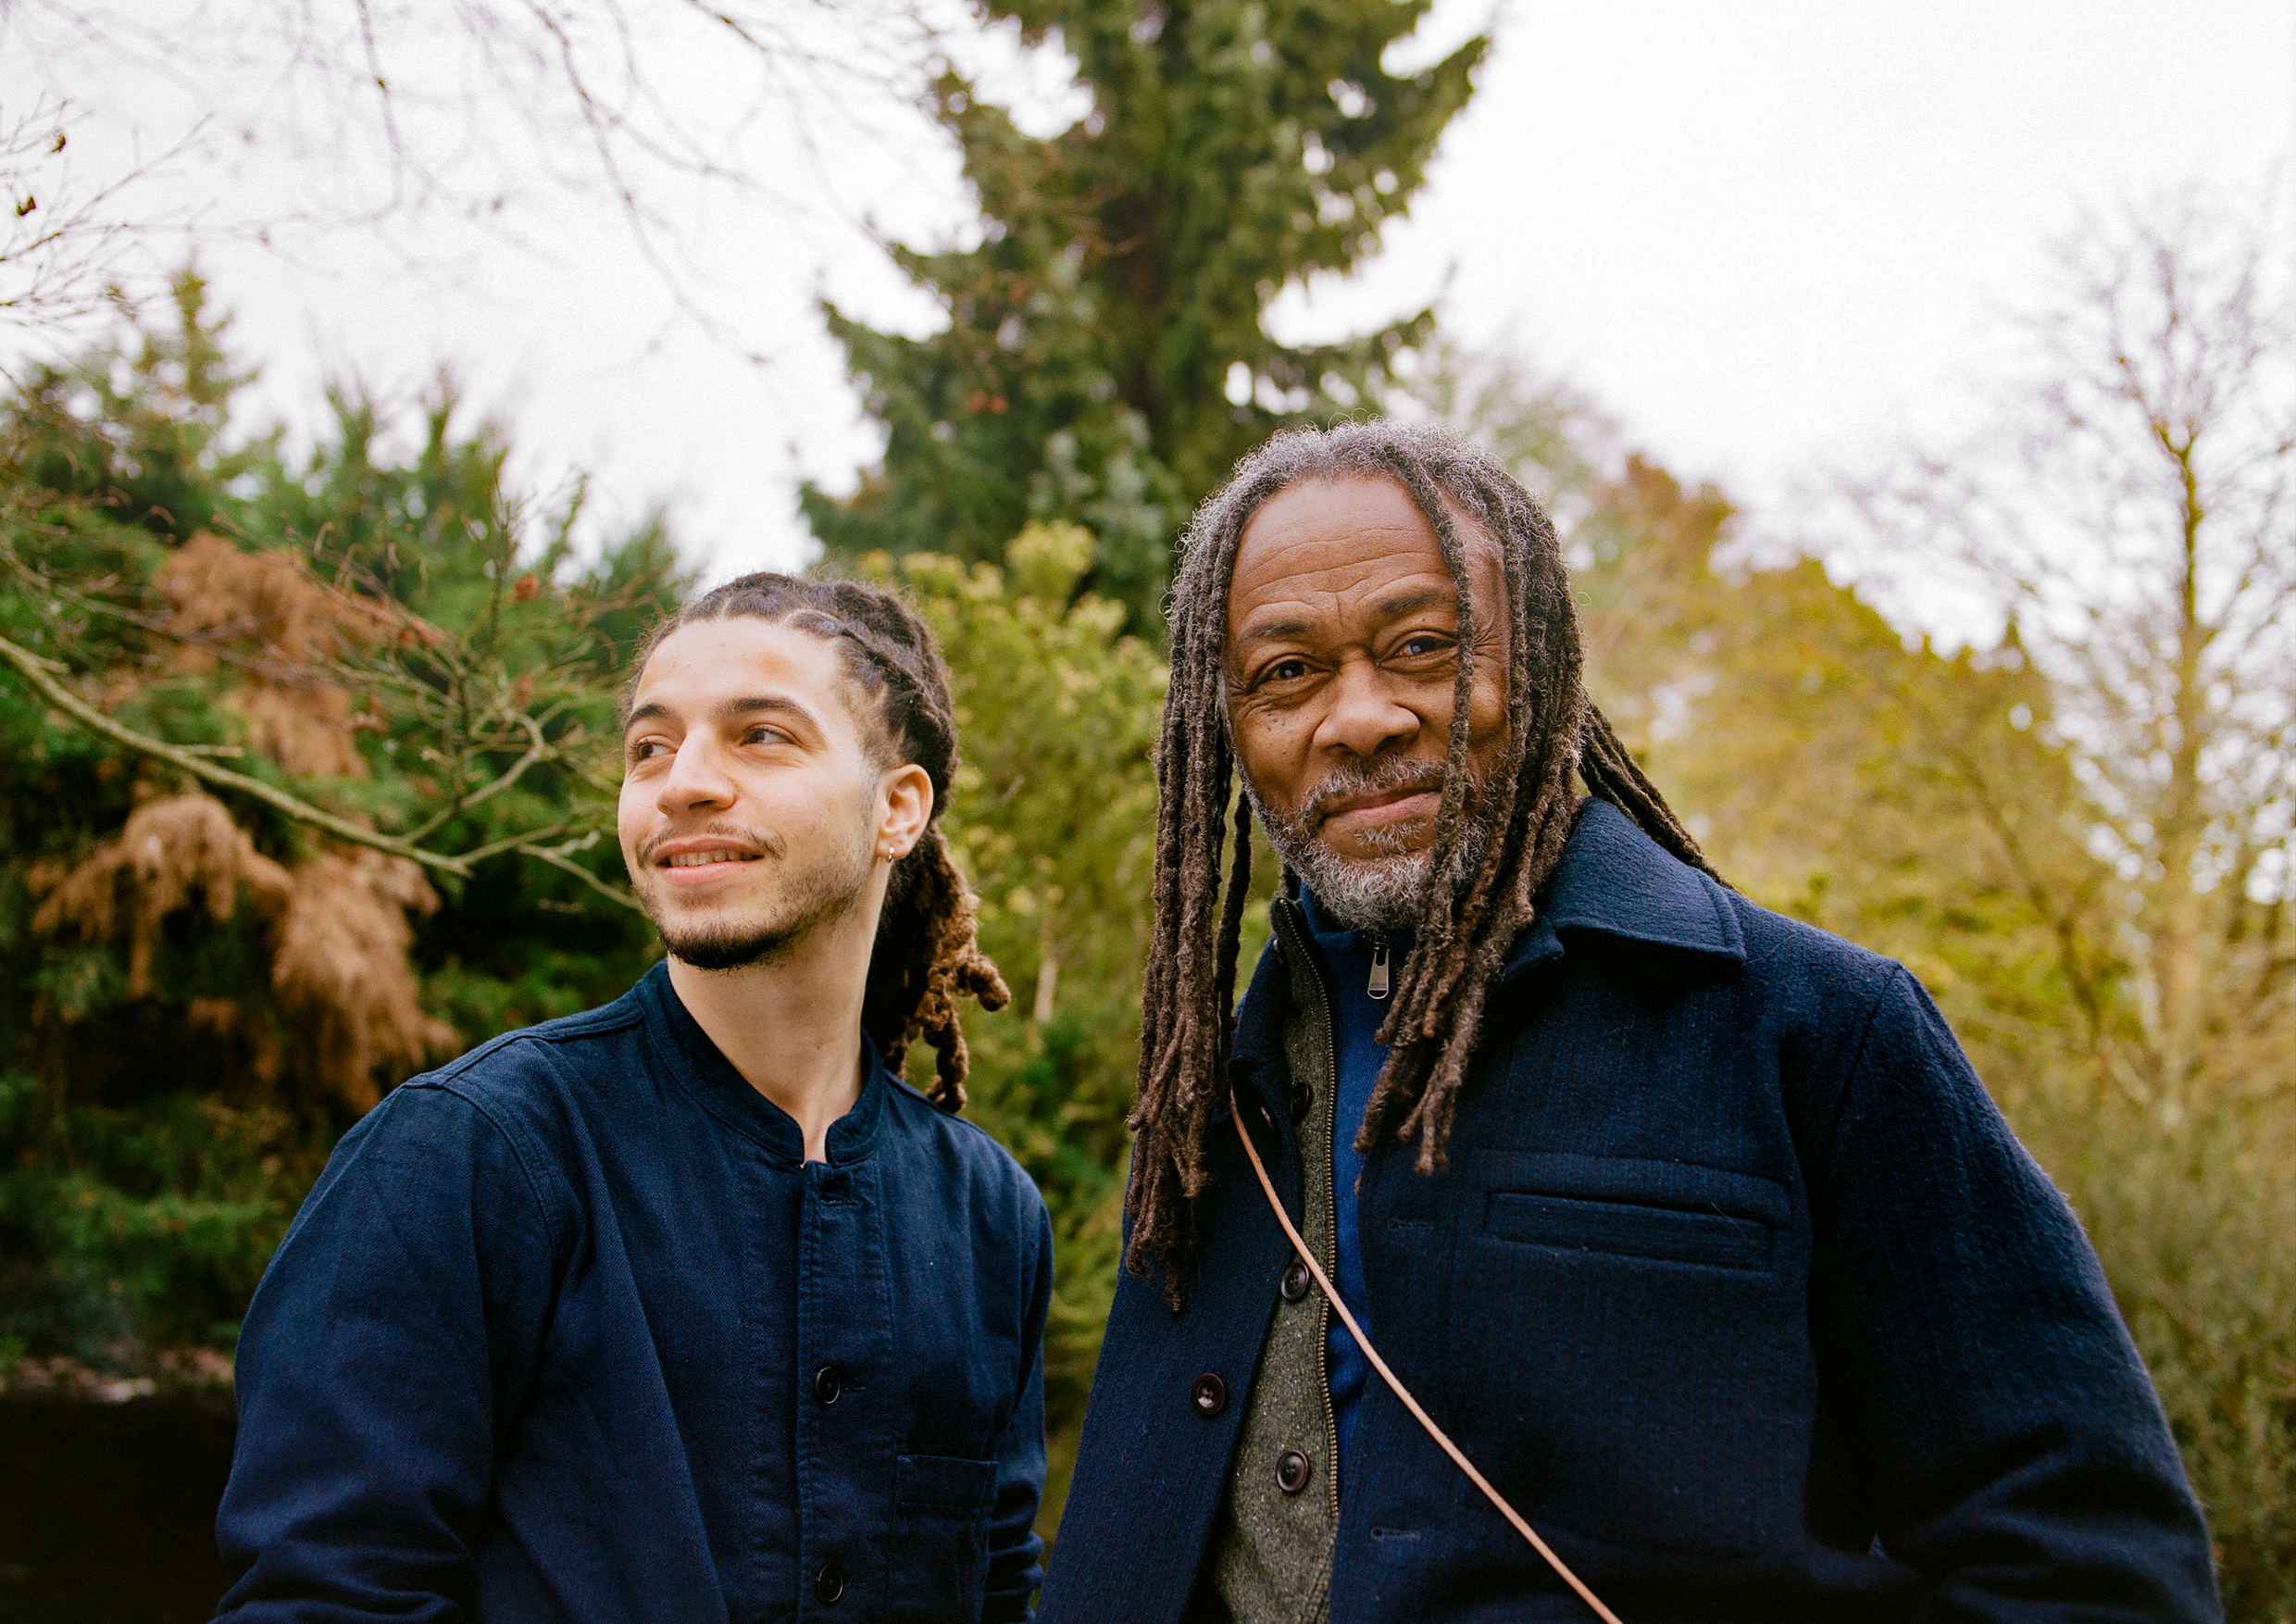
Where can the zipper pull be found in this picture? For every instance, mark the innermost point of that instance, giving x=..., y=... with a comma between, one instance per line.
x=1378, y=988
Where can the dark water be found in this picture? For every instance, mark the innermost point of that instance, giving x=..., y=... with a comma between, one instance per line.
x=108, y=1510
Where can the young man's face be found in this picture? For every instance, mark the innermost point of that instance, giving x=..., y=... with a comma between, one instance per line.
x=751, y=814
x=1342, y=645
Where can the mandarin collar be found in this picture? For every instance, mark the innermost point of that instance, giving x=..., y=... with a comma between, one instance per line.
x=1335, y=937
x=726, y=1095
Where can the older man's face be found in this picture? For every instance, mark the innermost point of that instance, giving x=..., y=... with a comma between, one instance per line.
x=1342, y=647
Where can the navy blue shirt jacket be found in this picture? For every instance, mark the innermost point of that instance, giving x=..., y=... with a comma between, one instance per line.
x=1736, y=1285
x=571, y=1330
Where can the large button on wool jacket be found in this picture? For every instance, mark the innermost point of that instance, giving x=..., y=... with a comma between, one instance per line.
x=1736, y=1285
x=572, y=1331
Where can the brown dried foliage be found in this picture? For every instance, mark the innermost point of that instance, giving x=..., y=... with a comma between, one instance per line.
x=173, y=852
x=287, y=630
x=341, y=975
x=226, y=1022
x=337, y=927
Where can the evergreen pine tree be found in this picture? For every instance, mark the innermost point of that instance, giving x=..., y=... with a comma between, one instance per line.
x=1104, y=360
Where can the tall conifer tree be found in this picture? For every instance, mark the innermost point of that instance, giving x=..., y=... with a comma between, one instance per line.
x=1104, y=360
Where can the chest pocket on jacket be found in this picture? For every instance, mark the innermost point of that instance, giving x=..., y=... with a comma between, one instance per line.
x=940, y=1537
x=1624, y=1228
x=1623, y=1333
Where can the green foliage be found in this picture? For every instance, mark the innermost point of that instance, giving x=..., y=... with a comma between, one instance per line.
x=373, y=633
x=140, y=431
x=1052, y=819
x=138, y=1228
x=1104, y=360
x=2192, y=1220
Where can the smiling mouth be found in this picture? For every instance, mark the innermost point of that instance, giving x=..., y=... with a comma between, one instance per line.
x=706, y=859
x=1375, y=803
x=1380, y=807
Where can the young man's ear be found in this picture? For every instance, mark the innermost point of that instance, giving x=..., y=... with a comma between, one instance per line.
x=908, y=793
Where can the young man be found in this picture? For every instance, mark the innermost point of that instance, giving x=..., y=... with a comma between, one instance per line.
x=1688, y=1223
x=687, y=1308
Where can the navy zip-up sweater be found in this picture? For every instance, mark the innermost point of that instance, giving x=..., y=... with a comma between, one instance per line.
x=1736, y=1285
x=1357, y=1057
x=571, y=1330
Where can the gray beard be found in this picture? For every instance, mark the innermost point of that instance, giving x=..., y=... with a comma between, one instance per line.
x=1384, y=892
x=819, y=895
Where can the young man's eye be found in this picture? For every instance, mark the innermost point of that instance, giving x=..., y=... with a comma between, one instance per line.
x=646, y=749
x=764, y=735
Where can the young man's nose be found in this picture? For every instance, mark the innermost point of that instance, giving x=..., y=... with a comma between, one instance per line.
x=696, y=778
x=1365, y=717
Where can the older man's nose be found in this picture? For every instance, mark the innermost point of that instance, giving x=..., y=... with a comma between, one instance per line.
x=1365, y=718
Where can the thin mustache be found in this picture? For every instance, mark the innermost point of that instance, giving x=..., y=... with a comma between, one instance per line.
x=749, y=839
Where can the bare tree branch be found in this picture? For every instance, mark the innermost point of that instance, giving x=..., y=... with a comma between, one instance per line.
x=2127, y=510
x=480, y=109
x=42, y=674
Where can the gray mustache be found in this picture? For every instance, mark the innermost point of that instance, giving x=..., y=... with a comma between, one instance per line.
x=1349, y=781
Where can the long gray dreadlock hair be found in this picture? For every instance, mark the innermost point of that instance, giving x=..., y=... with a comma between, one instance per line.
x=1479, y=892
x=926, y=956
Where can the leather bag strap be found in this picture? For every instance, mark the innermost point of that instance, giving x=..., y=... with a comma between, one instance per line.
x=1403, y=1392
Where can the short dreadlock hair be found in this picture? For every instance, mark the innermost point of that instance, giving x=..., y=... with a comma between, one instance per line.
x=926, y=955
x=1480, y=892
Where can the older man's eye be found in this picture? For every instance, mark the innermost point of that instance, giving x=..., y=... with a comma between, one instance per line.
x=1285, y=671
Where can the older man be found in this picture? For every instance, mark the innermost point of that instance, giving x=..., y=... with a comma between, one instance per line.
x=1689, y=1224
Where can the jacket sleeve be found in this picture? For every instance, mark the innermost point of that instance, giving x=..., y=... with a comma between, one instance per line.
x=1015, y=1552
x=2017, y=1456
x=390, y=1336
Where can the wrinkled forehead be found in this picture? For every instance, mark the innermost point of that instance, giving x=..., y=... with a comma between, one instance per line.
x=1352, y=545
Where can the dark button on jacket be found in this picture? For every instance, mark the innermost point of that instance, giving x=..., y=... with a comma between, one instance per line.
x=571, y=1330
x=1736, y=1285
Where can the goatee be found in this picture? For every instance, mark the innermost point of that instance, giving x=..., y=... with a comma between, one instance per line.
x=1384, y=892
x=809, y=900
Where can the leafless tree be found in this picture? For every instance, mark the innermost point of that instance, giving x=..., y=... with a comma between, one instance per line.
x=388, y=117
x=62, y=236
x=2129, y=508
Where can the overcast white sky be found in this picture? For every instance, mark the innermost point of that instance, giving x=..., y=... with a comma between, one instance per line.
x=1764, y=234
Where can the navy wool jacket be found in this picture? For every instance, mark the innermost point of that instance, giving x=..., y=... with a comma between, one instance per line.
x=1736, y=1285
x=571, y=1330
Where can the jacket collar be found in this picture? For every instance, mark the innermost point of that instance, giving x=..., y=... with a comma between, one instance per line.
x=1616, y=882
x=705, y=1073
x=1613, y=880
